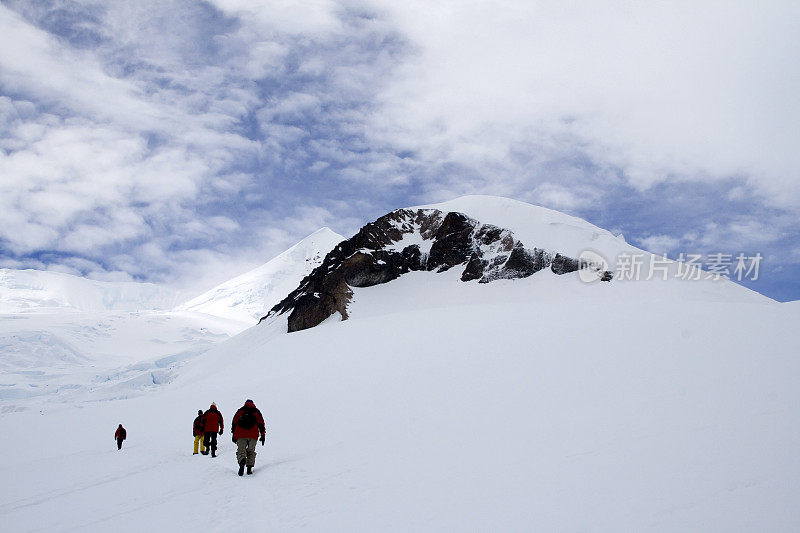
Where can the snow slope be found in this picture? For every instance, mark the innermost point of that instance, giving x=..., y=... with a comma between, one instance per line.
x=248, y=297
x=534, y=404
x=529, y=404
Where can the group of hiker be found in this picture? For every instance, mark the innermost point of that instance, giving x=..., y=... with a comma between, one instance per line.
x=247, y=428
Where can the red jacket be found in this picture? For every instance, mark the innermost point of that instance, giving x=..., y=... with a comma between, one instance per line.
x=120, y=433
x=213, y=420
x=252, y=432
x=199, y=427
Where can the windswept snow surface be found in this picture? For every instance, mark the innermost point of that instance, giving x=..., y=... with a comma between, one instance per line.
x=248, y=297
x=536, y=404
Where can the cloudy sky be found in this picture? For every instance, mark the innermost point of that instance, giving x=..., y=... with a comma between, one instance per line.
x=185, y=142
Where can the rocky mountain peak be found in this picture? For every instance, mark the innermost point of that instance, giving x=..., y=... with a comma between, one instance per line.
x=407, y=240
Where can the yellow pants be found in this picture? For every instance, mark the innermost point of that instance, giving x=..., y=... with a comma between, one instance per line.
x=199, y=438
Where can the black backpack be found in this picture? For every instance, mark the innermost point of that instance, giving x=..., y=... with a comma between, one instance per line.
x=247, y=419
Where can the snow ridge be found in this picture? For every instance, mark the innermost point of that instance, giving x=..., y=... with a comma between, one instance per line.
x=246, y=298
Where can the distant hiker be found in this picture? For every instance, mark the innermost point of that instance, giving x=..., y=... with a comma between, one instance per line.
x=247, y=425
x=212, y=426
x=120, y=435
x=199, y=432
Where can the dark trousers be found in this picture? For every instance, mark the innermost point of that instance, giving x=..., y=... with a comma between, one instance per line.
x=119, y=444
x=210, y=441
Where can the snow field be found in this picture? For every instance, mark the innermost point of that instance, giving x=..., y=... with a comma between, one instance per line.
x=515, y=414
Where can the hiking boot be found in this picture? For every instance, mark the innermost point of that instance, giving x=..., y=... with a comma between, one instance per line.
x=249, y=470
x=205, y=452
x=213, y=453
x=241, y=468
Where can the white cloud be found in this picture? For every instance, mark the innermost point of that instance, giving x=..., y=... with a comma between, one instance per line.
x=303, y=17
x=660, y=244
x=563, y=198
x=133, y=153
x=58, y=184
x=664, y=91
x=741, y=233
x=33, y=62
x=78, y=172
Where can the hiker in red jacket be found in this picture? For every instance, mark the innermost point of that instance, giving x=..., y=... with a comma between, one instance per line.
x=120, y=435
x=246, y=427
x=199, y=432
x=214, y=424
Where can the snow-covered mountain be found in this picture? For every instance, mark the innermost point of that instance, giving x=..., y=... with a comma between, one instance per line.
x=24, y=291
x=527, y=402
x=486, y=239
x=248, y=297
x=62, y=336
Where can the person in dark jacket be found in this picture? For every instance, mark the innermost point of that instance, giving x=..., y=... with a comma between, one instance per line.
x=246, y=427
x=213, y=425
x=199, y=432
x=120, y=435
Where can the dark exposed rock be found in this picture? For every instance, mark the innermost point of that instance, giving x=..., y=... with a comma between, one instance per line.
x=563, y=265
x=310, y=309
x=475, y=268
x=373, y=256
x=522, y=263
x=453, y=244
